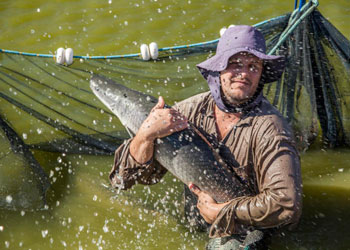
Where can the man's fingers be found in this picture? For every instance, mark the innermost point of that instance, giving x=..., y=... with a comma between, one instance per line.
x=166, y=120
x=178, y=119
x=177, y=114
x=180, y=125
x=194, y=189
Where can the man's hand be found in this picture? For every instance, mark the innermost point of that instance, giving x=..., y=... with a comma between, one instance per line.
x=160, y=122
x=208, y=207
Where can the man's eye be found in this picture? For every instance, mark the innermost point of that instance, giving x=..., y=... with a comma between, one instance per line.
x=253, y=68
x=232, y=63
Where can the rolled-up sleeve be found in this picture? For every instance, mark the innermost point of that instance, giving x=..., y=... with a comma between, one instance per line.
x=126, y=171
x=279, y=201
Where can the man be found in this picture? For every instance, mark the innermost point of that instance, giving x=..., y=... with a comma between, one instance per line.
x=248, y=132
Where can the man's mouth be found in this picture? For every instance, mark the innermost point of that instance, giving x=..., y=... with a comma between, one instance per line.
x=245, y=82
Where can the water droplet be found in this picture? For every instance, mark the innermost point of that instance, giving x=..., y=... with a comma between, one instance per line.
x=9, y=199
x=44, y=233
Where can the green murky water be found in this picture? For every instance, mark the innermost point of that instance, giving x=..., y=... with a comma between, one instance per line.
x=82, y=212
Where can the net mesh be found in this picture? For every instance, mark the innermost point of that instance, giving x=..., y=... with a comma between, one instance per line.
x=51, y=108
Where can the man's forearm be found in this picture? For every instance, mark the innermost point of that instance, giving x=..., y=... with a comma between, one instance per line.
x=141, y=149
x=160, y=122
x=279, y=202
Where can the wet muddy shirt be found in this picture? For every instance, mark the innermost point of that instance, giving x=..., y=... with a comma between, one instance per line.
x=259, y=148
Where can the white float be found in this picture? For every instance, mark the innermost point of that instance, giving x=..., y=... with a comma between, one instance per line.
x=222, y=31
x=60, y=56
x=145, y=52
x=153, y=49
x=68, y=56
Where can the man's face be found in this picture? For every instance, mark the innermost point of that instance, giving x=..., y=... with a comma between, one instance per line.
x=240, y=79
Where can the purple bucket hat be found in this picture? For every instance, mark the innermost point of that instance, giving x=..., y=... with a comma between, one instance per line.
x=240, y=38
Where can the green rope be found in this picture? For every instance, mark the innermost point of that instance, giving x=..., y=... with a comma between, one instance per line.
x=295, y=21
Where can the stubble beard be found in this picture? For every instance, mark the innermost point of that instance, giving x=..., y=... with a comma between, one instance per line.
x=234, y=99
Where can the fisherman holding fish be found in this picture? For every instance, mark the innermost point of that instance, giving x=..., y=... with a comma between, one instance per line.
x=251, y=136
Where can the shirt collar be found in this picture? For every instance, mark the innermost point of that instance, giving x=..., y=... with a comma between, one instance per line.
x=246, y=118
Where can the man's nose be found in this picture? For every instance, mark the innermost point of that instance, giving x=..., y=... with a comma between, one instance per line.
x=242, y=72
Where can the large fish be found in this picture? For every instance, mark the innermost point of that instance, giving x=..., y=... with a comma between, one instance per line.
x=185, y=154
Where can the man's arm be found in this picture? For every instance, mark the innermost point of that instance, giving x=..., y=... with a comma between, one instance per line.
x=278, y=202
x=133, y=160
x=126, y=171
x=160, y=123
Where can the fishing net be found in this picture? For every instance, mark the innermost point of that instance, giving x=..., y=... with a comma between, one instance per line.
x=313, y=93
x=51, y=108
x=19, y=172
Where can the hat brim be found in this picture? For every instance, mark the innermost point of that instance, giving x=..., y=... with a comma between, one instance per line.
x=273, y=65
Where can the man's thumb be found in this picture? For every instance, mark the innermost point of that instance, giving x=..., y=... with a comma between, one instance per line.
x=160, y=103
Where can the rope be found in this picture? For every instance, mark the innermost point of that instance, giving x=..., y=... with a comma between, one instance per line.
x=296, y=20
x=134, y=54
x=302, y=2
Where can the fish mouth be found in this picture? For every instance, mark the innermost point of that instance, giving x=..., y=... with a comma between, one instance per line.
x=98, y=83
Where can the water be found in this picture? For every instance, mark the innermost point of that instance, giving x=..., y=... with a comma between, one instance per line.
x=82, y=213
